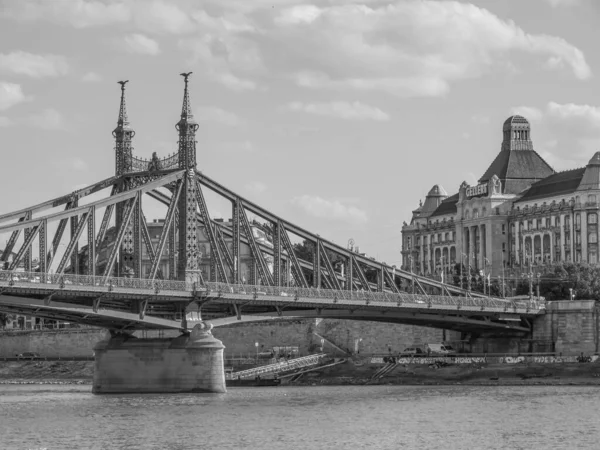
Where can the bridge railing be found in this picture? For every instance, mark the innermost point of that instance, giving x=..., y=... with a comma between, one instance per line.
x=282, y=366
x=295, y=293
x=366, y=296
x=63, y=280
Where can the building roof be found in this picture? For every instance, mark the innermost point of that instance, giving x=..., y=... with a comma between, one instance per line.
x=515, y=120
x=448, y=206
x=591, y=177
x=437, y=191
x=517, y=164
x=561, y=183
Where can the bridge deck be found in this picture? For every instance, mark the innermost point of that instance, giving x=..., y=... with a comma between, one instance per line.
x=90, y=299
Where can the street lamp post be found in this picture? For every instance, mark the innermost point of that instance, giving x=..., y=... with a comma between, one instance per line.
x=256, y=345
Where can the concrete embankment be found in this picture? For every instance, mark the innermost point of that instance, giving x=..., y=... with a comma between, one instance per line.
x=351, y=373
x=439, y=373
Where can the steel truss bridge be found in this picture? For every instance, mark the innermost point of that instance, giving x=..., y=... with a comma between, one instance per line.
x=73, y=282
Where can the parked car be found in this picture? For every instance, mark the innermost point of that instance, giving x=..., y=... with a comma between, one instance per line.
x=27, y=355
x=412, y=352
x=439, y=350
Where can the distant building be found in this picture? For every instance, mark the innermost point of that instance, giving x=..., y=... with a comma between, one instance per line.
x=520, y=214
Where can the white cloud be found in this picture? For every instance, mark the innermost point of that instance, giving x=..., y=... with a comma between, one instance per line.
x=408, y=48
x=556, y=3
x=91, y=77
x=10, y=95
x=329, y=209
x=138, y=43
x=218, y=115
x=582, y=116
x=77, y=13
x=35, y=66
x=255, y=187
x=234, y=83
x=5, y=121
x=340, y=110
x=161, y=17
x=529, y=112
x=49, y=119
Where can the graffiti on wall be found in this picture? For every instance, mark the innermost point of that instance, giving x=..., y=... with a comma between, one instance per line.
x=483, y=359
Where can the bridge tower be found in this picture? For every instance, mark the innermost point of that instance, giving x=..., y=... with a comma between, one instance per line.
x=123, y=135
x=188, y=250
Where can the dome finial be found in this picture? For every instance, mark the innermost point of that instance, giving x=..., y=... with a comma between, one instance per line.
x=516, y=133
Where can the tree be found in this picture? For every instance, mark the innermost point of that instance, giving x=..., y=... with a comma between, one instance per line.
x=5, y=318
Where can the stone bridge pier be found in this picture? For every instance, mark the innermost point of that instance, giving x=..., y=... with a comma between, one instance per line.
x=567, y=327
x=188, y=363
x=570, y=326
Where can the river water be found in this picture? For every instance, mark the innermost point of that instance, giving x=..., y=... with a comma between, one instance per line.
x=322, y=417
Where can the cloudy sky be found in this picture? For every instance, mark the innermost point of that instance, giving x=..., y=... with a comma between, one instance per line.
x=336, y=115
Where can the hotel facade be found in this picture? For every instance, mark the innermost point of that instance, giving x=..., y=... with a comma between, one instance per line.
x=520, y=214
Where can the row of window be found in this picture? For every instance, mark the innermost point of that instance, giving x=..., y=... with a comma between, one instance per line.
x=435, y=239
x=591, y=198
x=536, y=224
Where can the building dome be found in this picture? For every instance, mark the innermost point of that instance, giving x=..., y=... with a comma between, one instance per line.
x=516, y=134
x=515, y=122
x=437, y=191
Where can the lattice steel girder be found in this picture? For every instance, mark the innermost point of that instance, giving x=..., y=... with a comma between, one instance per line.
x=173, y=248
x=108, y=212
x=10, y=245
x=73, y=243
x=60, y=230
x=329, y=267
x=26, y=245
x=316, y=264
x=287, y=245
x=380, y=279
x=187, y=259
x=391, y=281
x=235, y=219
x=147, y=239
x=349, y=273
x=169, y=223
x=75, y=252
x=277, y=254
x=99, y=203
x=223, y=246
x=215, y=249
x=361, y=276
x=257, y=255
x=60, y=200
x=127, y=214
x=43, y=247
x=91, y=238
x=312, y=237
x=137, y=237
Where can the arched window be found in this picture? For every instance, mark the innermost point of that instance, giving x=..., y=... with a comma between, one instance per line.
x=467, y=214
x=592, y=198
x=475, y=213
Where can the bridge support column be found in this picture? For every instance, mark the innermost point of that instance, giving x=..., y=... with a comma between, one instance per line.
x=188, y=363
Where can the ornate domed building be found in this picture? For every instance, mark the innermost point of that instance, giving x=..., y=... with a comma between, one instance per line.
x=521, y=213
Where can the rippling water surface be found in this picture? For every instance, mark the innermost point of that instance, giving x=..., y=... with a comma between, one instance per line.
x=345, y=417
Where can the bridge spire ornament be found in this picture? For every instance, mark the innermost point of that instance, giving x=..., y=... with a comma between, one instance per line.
x=188, y=249
x=123, y=135
x=187, y=127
